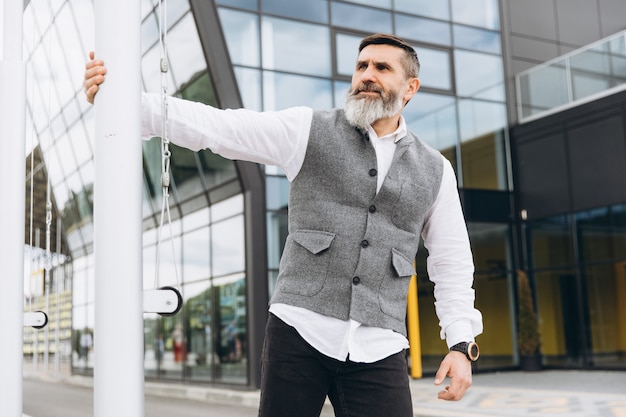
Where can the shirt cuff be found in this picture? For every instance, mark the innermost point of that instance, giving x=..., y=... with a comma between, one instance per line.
x=459, y=331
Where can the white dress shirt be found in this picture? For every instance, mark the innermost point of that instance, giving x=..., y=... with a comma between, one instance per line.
x=280, y=138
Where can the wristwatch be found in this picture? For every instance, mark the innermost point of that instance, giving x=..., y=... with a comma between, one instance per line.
x=470, y=349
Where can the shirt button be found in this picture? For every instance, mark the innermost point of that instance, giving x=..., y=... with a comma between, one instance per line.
x=373, y=172
x=356, y=280
x=364, y=243
x=372, y=209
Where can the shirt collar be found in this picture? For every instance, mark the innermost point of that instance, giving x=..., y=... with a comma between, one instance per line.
x=397, y=135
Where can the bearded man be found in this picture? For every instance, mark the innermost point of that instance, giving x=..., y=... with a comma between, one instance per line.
x=363, y=191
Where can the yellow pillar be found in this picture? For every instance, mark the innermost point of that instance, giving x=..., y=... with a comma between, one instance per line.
x=413, y=325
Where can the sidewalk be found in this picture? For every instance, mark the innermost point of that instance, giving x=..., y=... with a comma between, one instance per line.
x=502, y=394
x=537, y=394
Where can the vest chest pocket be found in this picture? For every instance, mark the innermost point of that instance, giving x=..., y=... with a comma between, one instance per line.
x=305, y=262
x=394, y=288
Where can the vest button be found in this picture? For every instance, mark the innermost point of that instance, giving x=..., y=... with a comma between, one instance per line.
x=372, y=209
x=356, y=280
x=373, y=172
x=364, y=243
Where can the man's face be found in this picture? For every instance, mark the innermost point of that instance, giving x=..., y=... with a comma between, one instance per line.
x=379, y=74
x=380, y=87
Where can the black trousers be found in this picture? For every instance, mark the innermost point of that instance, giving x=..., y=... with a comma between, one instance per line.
x=296, y=379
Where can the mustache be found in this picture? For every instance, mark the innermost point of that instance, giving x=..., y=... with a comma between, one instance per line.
x=366, y=88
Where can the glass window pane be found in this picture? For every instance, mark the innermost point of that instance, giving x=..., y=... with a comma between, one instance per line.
x=244, y=4
x=425, y=30
x=185, y=52
x=196, y=254
x=228, y=246
x=241, y=31
x=281, y=91
x=315, y=10
x=341, y=90
x=357, y=17
x=376, y=3
x=230, y=329
x=429, y=8
x=479, y=75
x=481, y=13
x=347, y=53
x=249, y=83
x=483, y=162
x=477, y=39
x=296, y=47
x=435, y=68
x=543, y=89
x=227, y=208
x=433, y=118
x=551, y=242
x=199, y=307
x=477, y=118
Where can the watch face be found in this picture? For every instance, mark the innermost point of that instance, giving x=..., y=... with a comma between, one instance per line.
x=473, y=351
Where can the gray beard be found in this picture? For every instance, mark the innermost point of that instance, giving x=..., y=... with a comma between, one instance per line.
x=362, y=112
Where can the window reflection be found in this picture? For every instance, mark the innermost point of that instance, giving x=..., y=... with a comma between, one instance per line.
x=201, y=345
x=357, y=17
x=228, y=241
x=296, y=47
x=481, y=13
x=315, y=10
x=230, y=328
x=425, y=30
x=433, y=118
x=347, y=52
x=242, y=36
x=185, y=62
x=435, y=68
x=477, y=39
x=249, y=82
x=281, y=91
x=196, y=254
x=429, y=8
x=479, y=75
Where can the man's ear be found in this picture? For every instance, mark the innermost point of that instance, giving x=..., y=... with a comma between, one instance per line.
x=413, y=84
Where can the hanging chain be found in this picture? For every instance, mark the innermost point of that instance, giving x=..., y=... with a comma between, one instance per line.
x=165, y=149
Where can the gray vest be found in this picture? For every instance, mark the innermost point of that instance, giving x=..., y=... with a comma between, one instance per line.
x=350, y=250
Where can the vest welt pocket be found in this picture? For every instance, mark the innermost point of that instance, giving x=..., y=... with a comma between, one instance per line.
x=305, y=262
x=392, y=295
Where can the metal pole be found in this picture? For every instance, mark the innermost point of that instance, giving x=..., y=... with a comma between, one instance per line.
x=12, y=213
x=118, y=334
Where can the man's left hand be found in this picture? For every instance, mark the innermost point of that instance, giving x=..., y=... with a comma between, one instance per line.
x=458, y=368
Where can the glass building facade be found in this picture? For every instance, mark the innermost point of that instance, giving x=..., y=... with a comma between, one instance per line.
x=229, y=219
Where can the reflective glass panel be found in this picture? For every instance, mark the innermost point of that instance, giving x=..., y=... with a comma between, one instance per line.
x=481, y=13
x=477, y=118
x=551, y=242
x=188, y=61
x=435, y=68
x=242, y=36
x=249, y=82
x=201, y=347
x=477, y=39
x=277, y=230
x=296, y=47
x=244, y=4
x=425, y=30
x=341, y=89
x=228, y=246
x=543, y=89
x=484, y=164
x=315, y=10
x=196, y=254
x=433, y=118
x=230, y=327
x=347, y=52
x=602, y=233
x=479, y=75
x=429, y=8
x=376, y=3
x=358, y=17
x=281, y=91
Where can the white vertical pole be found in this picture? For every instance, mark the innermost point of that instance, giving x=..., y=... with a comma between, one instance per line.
x=118, y=335
x=12, y=209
